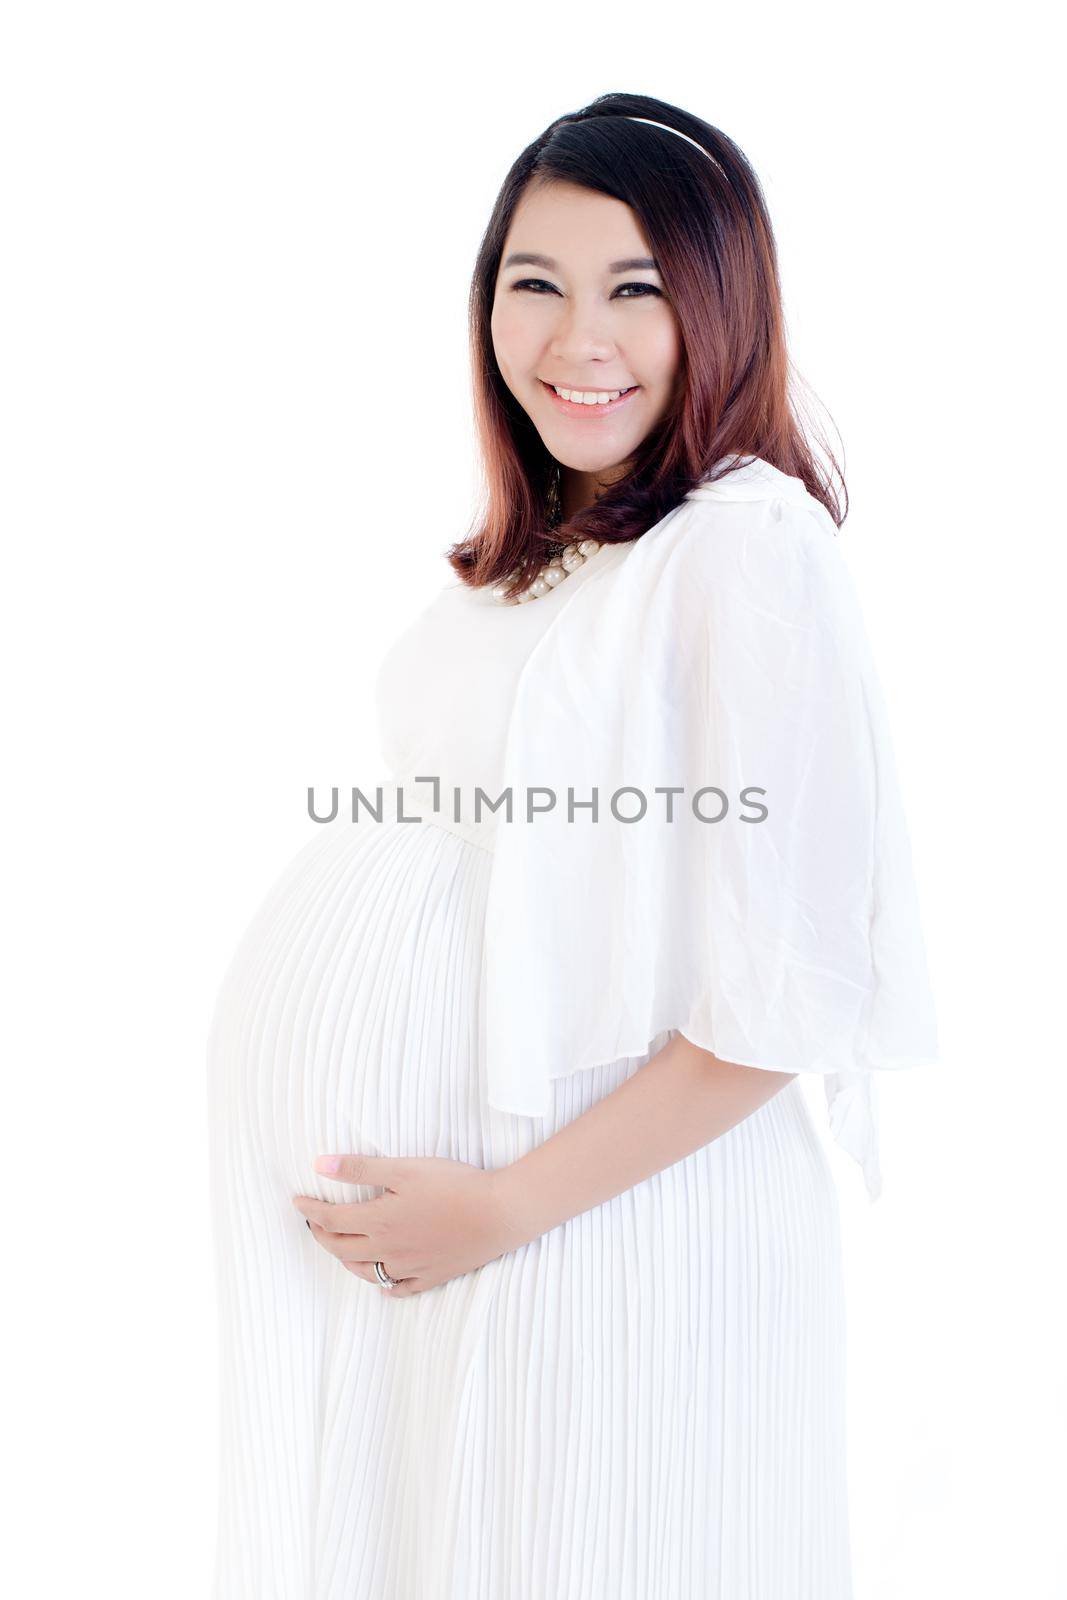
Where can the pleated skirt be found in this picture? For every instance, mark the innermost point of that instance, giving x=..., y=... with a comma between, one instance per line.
x=645, y=1403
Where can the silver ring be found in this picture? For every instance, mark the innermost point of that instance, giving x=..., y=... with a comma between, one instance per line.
x=383, y=1277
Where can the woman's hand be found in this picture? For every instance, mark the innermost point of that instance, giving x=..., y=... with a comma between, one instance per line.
x=437, y=1220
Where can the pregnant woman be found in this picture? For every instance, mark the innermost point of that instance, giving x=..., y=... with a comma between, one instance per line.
x=528, y=1248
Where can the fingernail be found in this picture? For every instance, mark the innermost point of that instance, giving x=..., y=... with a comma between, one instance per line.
x=327, y=1163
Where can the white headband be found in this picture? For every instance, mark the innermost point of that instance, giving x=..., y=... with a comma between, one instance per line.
x=667, y=129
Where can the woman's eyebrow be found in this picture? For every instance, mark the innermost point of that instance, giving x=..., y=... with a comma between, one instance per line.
x=528, y=258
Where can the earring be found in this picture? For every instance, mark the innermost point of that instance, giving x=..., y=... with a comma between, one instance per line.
x=554, y=498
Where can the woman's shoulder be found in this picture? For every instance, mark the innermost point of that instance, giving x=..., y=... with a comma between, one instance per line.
x=772, y=495
x=755, y=527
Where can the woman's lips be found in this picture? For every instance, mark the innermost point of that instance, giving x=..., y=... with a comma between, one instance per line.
x=577, y=408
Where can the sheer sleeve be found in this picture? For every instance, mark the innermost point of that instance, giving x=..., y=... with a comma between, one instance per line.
x=773, y=919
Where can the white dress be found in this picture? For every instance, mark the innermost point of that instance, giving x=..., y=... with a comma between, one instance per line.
x=645, y=1403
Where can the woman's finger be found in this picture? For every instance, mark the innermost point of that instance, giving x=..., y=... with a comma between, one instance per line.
x=334, y=1244
x=345, y=1246
x=352, y=1216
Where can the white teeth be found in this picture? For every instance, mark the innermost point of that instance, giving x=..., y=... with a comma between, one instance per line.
x=584, y=397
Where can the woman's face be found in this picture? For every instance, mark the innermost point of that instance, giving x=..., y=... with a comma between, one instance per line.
x=589, y=315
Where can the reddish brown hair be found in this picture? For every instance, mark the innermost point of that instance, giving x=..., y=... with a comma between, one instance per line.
x=711, y=234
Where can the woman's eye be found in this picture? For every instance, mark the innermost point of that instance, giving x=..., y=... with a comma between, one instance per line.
x=538, y=284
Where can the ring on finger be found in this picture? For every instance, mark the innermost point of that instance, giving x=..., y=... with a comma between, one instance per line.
x=383, y=1277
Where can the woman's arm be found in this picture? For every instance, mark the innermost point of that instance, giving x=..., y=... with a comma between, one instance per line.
x=679, y=1101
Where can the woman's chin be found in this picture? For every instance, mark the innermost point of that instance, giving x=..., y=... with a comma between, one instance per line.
x=606, y=462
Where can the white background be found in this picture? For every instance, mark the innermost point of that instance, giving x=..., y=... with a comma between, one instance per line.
x=236, y=442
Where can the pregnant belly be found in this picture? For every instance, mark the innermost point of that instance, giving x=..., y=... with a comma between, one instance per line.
x=348, y=1018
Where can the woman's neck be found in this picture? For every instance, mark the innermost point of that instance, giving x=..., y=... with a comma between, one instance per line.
x=580, y=489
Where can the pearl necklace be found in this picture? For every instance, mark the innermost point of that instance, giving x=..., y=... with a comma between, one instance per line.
x=552, y=573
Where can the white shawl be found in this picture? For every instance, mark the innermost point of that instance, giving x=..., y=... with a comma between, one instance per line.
x=727, y=648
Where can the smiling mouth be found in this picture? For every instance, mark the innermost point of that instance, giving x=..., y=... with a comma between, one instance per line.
x=591, y=408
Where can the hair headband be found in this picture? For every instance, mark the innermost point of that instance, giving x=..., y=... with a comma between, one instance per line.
x=667, y=129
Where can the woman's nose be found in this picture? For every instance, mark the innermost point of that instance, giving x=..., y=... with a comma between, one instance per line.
x=579, y=338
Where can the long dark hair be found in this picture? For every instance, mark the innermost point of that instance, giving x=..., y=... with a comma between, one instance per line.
x=708, y=227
